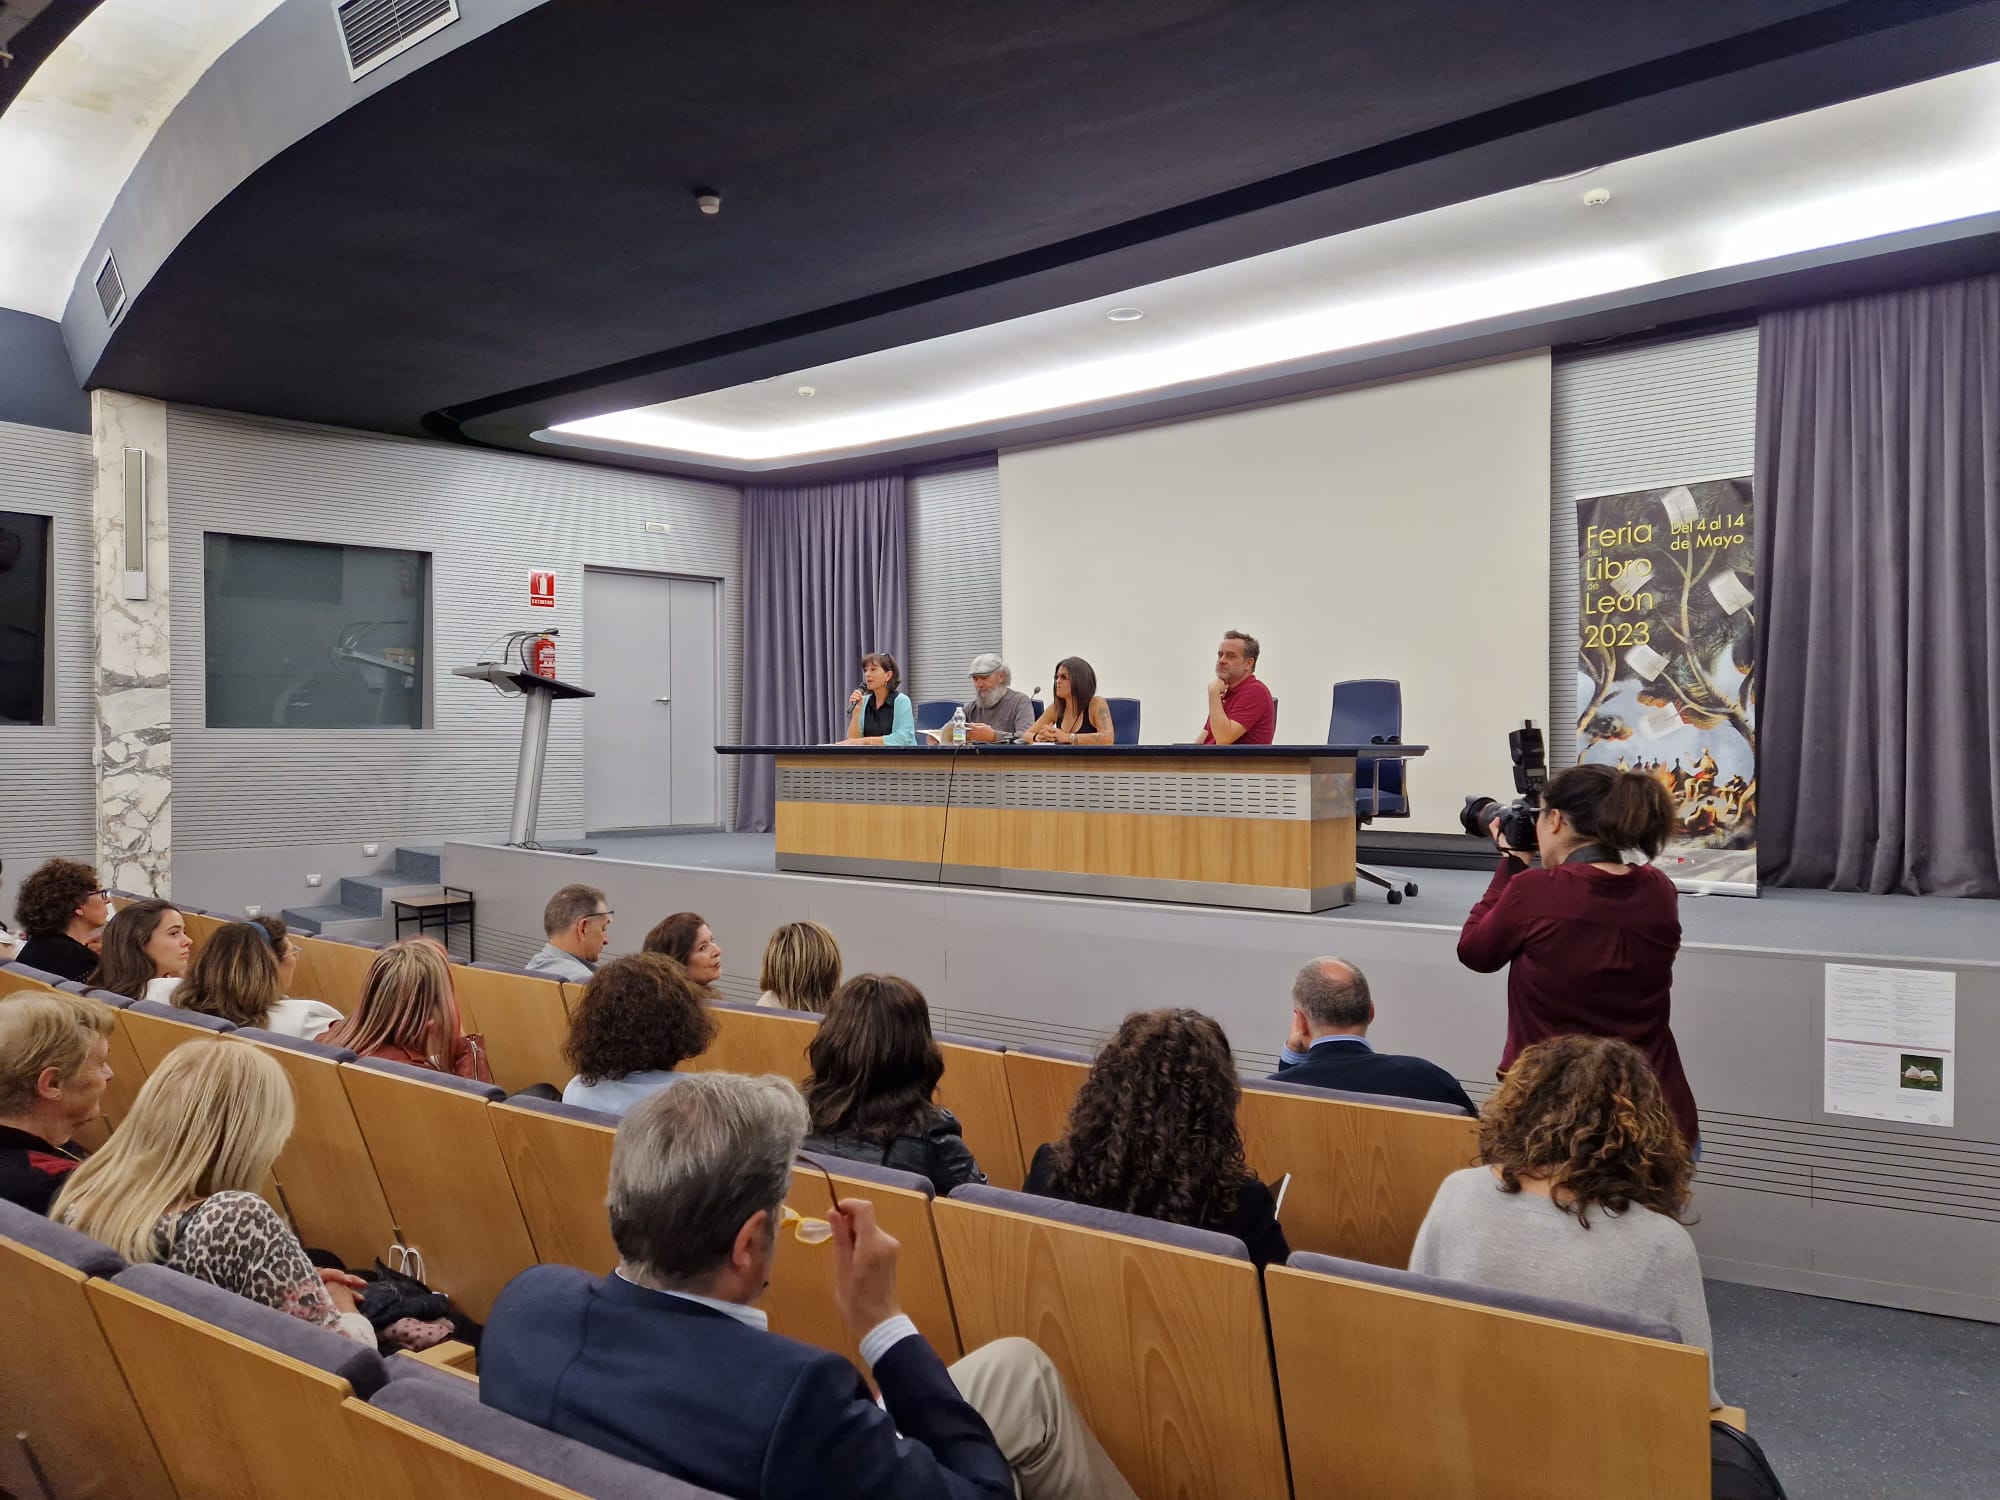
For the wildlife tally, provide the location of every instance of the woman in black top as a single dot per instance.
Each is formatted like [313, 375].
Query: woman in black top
[59, 908]
[875, 1069]
[1075, 715]
[1153, 1132]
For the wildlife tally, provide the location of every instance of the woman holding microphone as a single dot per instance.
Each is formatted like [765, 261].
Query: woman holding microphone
[878, 713]
[1588, 940]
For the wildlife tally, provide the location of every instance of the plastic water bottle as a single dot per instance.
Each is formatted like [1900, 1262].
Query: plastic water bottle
[958, 725]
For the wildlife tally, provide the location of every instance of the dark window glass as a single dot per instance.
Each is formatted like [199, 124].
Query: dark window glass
[24, 618]
[303, 635]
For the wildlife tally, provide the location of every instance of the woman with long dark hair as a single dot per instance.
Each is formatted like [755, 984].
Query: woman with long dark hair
[1075, 715]
[1153, 1132]
[879, 712]
[875, 1072]
[1588, 938]
[1585, 1180]
[146, 951]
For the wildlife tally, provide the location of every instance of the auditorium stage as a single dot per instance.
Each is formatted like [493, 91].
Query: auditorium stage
[1790, 1196]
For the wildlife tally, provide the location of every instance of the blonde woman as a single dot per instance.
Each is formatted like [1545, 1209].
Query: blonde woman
[409, 1014]
[801, 968]
[176, 1185]
[238, 976]
[55, 1060]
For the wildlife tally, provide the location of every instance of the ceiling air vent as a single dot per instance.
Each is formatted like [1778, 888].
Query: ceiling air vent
[110, 289]
[374, 31]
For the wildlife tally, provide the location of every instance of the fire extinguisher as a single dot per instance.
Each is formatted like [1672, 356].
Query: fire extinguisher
[542, 656]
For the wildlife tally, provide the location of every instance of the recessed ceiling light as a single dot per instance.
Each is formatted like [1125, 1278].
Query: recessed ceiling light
[1125, 314]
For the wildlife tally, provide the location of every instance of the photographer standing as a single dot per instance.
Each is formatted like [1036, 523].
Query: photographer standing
[1587, 939]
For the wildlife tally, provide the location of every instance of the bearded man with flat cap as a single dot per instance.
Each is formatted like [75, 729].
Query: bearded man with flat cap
[997, 713]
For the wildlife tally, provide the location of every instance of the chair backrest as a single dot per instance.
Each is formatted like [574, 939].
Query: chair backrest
[63, 1399]
[1365, 709]
[201, 925]
[1364, 1170]
[333, 971]
[754, 1041]
[559, 1159]
[435, 1154]
[1041, 1085]
[242, 1400]
[439, 1440]
[325, 1172]
[1124, 720]
[1431, 1392]
[800, 1297]
[127, 1071]
[523, 1018]
[974, 1088]
[155, 1030]
[1160, 1339]
[935, 713]
[22, 977]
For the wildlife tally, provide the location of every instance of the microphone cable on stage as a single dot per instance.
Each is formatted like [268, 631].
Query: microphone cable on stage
[944, 829]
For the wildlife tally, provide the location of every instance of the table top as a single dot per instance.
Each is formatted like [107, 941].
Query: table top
[1231, 752]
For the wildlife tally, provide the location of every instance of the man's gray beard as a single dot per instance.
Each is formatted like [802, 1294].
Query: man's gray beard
[992, 696]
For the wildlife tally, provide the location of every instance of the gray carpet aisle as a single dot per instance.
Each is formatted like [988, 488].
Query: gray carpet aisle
[1862, 1403]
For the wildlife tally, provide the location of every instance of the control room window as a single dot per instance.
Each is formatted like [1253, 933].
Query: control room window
[24, 618]
[304, 635]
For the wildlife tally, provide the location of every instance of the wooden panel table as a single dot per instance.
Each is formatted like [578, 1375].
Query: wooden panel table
[1262, 826]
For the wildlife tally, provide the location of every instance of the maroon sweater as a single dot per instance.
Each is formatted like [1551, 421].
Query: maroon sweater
[1587, 953]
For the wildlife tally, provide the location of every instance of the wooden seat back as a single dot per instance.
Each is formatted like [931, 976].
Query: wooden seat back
[448, 1191]
[974, 1088]
[325, 1172]
[230, 1417]
[407, 1462]
[1439, 1397]
[523, 1019]
[758, 1041]
[1162, 1348]
[63, 1397]
[332, 973]
[1363, 1176]
[200, 925]
[154, 1036]
[559, 1168]
[1041, 1091]
[12, 981]
[800, 1297]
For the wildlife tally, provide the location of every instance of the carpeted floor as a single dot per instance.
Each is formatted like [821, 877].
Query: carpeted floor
[1854, 1402]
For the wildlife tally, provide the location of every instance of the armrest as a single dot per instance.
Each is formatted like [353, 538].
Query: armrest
[1735, 1416]
[451, 1355]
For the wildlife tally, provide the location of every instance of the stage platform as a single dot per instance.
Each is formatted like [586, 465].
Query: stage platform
[1790, 1196]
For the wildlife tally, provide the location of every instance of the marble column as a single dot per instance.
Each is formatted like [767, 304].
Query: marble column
[134, 658]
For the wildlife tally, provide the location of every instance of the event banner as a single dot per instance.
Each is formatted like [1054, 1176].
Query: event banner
[1666, 663]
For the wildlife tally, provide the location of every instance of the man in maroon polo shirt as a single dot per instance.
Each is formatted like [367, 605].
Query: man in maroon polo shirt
[1240, 708]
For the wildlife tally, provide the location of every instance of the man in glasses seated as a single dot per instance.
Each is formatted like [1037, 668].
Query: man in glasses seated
[669, 1363]
[578, 923]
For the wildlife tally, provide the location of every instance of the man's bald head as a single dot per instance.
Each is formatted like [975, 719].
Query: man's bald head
[1333, 995]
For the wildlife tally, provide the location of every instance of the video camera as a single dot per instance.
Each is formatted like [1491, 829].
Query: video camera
[1516, 819]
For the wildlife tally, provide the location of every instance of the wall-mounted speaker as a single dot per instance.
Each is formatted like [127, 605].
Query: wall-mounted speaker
[134, 540]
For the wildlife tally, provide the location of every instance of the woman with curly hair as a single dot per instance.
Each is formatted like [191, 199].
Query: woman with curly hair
[639, 1019]
[875, 1072]
[1581, 1197]
[59, 907]
[1153, 1132]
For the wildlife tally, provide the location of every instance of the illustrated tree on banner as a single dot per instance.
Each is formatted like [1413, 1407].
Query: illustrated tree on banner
[1666, 660]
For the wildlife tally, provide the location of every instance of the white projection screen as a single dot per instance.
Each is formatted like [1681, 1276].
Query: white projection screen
[1395, 530]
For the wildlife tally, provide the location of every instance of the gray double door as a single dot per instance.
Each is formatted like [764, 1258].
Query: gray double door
[649, 736]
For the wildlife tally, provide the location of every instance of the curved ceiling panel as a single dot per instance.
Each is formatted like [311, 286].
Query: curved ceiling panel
[507, 238]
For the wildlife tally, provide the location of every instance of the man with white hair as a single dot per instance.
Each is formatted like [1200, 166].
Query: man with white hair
[997, 713]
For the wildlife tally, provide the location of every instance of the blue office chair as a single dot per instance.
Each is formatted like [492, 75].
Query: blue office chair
[936, 713]
[1369, 711]
[1124, 720]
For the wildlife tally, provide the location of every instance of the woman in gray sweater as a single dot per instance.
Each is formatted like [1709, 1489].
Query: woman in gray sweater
[1581, 1197]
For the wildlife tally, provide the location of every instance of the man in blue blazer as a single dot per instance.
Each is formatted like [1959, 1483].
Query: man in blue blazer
[1328, 1044]
[668, 1362]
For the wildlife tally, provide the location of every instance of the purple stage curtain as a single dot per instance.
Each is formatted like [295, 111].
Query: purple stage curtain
[824, 580]
[1878, 537]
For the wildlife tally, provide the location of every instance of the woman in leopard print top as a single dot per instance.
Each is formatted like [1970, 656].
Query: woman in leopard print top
[175, 1185]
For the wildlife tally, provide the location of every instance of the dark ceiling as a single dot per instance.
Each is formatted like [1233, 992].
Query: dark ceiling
[508, 237]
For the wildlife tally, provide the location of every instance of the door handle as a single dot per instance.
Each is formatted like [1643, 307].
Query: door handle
[663, 700]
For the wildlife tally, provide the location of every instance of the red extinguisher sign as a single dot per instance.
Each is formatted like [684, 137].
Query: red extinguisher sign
[542, 590]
